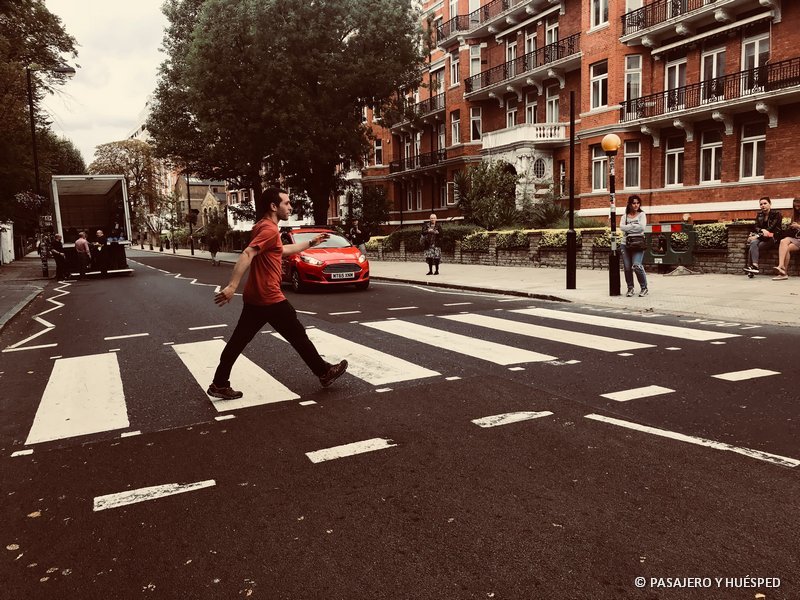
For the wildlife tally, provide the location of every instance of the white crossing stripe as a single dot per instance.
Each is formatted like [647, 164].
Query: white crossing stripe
[371, 445]
[373, 366]
[83, 395]
[258, 386]
[746, 374]
[147, 493]
[498, 354]
[586, 340]
[124, 337]
[684, 333]
[636, 393]
[758, 454]
[207, 327]
[512, 417]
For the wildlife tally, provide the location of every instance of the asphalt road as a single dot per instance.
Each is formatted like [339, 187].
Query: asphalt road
[467, 470]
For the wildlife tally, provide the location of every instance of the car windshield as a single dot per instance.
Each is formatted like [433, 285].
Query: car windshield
[335, 241]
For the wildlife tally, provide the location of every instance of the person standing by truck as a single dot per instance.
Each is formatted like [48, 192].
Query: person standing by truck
[57, 250]
[264, 301]
[101, 257]
[84, 254]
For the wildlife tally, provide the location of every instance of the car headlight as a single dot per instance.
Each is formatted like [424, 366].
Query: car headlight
[362, 259]
[310, 260]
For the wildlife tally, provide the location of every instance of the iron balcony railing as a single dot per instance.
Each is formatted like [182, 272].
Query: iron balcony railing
[476, 18]
[768, 78]
[420, 161]
[657, 12]
[428, 106]
[524, 64]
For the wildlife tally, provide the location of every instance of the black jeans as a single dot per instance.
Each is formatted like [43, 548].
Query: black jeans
[283, 319]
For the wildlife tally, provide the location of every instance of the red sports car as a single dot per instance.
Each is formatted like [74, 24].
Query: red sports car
[333, 262]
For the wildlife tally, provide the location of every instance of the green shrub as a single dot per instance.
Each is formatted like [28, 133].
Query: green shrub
[374, 243]
[410, 235]
[512, 240]
[711, 235]
[476, 242]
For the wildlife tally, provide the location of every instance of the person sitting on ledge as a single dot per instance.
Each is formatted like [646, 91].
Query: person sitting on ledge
[790, 243]
[766, 231]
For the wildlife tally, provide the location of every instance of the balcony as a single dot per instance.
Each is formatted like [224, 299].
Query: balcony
[531, 69]
[421, 110]
[667, 18]
[773, 82]
[418, 162]
[490, 19]
[540, 134]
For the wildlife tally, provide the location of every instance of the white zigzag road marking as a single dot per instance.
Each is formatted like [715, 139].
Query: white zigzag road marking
[194, 281]
[38, 318]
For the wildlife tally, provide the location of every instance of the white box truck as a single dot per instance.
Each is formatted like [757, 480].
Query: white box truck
[92, 203]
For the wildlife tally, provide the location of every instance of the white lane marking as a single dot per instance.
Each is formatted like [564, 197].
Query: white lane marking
[373, 366]
[624, 354]
[162, 270]
[335, 452]
[9, 349]
[746, 374]
[307, 403]
[258, 386]
[305, 312]
[498, 354]
[454, 378]
[758, 454]
[757, 337]
[83, 395]
[147, 493]
[672, 348]
[403, 308]
[636, 393]
[382, 390]
[719, 343]
[124, 337]
[456, 303]
[114, 349]
[167, 343]
[22, 452]
[515, 300]
[224, 417]
[38, 318]
[346, 312]
[512, 417]
[55, 357]
[585, 340]
[685, 333]
[516, 368]
[207, 327]
[127, 434]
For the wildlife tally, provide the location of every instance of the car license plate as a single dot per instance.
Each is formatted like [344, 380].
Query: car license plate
[342, 275]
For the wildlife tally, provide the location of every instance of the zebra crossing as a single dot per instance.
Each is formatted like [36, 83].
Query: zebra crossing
[86, 394]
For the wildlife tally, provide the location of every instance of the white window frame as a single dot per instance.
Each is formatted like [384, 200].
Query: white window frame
[378, 150]
[599, 169]
[711, 156]
[454, 69]
[599, 13]
[531, 105]
[419, 195]
[511, 55]
[674, 161]
[409, 197]
[632, 5]
[475, 130]
[633, 164]
[759, 59]
[455, 127]
[633, 76]
[675, 78]
[757, 143]
[512, 107]
[712, 69]
[474, 60]
[552, 115]
[453, 6]
[437, 81]
[442, 136]
[530, 40]
[598, 73]
[551, 31]
[442, 192]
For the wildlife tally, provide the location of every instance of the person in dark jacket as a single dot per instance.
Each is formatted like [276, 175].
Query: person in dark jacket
[766, 232]
[431, 238]
[359, 236]
[57, 250]
[213, 248]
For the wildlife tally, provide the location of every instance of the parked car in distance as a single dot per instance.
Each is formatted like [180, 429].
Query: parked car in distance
[334, 262]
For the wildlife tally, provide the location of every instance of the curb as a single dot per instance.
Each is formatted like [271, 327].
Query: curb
[19, 307]
[474, 288]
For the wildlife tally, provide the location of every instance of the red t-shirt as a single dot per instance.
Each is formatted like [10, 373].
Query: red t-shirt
[263, 285]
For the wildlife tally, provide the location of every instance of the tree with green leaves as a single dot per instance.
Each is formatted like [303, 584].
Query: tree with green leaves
[370, 205]
[135, 160]
[487, 194]
[31, 37]
[278, 86]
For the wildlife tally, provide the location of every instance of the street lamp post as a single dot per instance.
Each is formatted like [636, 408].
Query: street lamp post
[572, 243]
[189, 213]
[68, 71]
[610, 145]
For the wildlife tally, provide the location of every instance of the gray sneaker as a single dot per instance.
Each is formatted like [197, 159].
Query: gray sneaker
[630, 292]
[643, 292]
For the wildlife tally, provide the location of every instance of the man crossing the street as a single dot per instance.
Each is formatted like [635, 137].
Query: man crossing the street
[264, 301]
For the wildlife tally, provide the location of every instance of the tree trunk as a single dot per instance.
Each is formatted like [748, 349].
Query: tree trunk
[320, 191]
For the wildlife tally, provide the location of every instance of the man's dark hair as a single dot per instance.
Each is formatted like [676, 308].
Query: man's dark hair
[271, 195]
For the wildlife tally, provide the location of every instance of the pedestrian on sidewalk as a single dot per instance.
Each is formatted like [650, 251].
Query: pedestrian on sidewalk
[57, 250]
[213, 248]
[431, 238]
[84, 254]
[789, 243]
[766, 231]
[264, 301]
[633, 224]
[359, 236]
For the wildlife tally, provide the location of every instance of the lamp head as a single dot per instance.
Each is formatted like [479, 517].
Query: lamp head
[611, 143]
[65, 70]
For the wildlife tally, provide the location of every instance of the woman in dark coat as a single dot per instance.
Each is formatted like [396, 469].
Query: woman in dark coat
[432, 238]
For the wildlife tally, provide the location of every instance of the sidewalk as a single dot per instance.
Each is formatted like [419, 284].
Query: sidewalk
[728, 298]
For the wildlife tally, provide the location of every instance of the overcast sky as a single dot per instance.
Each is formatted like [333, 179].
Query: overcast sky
[118, 53]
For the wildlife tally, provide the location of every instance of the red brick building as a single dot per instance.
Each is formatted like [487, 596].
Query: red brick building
[704, 94]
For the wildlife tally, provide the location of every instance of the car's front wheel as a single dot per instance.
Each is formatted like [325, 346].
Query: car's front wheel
[297, 284]
[363, 285]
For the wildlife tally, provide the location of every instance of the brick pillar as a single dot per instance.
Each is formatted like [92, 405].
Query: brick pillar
[737, 246]
[402, 250]
[457, 253]
[586, 253]
[380, 251]
[534, 237]
[493, 248]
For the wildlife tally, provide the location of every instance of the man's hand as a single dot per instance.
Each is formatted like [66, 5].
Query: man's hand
[316, 241]
[225, 295]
